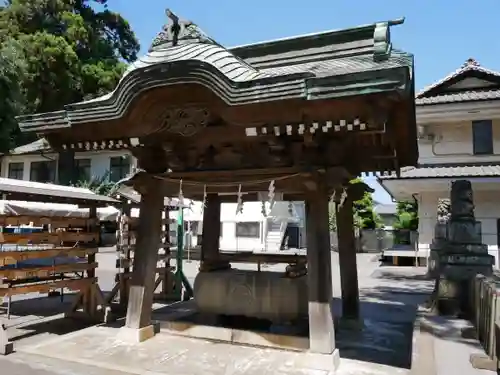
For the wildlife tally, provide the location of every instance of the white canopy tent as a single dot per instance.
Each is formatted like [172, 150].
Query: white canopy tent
[18, 208]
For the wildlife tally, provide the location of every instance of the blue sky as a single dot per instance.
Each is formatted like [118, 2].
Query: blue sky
[441, 34]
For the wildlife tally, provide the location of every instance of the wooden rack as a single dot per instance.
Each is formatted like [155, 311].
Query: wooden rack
[126, 241]
[62, 257]
[52, 253]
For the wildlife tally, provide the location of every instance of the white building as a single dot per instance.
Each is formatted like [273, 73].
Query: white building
[38, 162]
[247, 231]
[458, 121]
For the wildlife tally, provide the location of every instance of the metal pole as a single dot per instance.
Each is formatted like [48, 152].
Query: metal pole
[180, 250]
[189, 239]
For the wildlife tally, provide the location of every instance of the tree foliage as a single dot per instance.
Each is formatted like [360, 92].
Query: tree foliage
[407, 215]
[365, 216]
[71, 50]
[99, 185]
[12, 101]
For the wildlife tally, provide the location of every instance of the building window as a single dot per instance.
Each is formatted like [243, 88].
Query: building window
[82, 169]
[482, 137]
[43, 171]
[16, 170]
[119, 168]
[248, 229]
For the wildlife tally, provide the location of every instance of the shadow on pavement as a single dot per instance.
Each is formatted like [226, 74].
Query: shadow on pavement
[388, 303]
[388, 310]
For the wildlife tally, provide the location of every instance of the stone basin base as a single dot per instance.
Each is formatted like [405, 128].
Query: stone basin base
[292, 338]
[262, 295]
[236, 330]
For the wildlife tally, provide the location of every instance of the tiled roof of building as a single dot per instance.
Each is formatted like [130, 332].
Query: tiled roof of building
[37, 146]
[436, 93]
[465, 96]
[446, 172]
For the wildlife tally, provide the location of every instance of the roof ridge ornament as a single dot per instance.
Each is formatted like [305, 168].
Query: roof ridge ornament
[382, 45]
[470, 62]
[179, 31]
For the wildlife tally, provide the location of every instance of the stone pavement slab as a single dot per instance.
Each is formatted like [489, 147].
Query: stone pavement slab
[29, 364]
[166, 354]
[389, 298]
[451, 350]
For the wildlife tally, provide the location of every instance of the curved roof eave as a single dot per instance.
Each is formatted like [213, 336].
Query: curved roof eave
[181, 53]
[289, 86]
[115, 104]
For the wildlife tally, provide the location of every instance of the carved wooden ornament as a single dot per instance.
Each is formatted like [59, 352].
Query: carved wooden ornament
[185, 121]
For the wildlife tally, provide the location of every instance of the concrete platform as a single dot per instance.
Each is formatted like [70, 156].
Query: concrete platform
[169, 354]
[389, 296]
[182, 319]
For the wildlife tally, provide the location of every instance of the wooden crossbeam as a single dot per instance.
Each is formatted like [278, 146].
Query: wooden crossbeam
[45, 287]
[12, 257]
[43, 271]
[54, 238]
[261, 258]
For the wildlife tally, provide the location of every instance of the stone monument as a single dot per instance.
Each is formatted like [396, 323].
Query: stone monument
[440, 239]
[457, 251]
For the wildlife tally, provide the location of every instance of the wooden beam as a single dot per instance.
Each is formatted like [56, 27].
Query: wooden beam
[227, 182]
[54, 238]
[243, 257]
[45, 287]
[12, 257]
[54, 221]
[44, 271]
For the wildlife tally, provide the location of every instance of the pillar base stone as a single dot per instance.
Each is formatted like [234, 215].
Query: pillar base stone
[320, 361]
[7, 348]
[137, 335]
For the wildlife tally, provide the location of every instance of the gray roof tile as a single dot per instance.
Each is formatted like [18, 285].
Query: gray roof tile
[37, 146]
[465, 96]
[429, 96]
[445, 172]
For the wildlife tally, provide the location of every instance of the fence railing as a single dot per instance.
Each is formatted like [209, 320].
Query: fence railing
[484, 305]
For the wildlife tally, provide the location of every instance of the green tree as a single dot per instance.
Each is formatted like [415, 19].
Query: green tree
[72, 50]
[407, 215]
[99, 185]
[364, 215]
[12, 102]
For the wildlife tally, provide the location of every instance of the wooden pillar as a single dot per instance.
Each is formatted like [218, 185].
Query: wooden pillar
[347, 260]
[166, 278]
[319, 273]
[125, 250]
[90, 306]
[210, 237]
[145, 259]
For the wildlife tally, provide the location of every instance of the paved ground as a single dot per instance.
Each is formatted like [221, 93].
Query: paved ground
[389, 298]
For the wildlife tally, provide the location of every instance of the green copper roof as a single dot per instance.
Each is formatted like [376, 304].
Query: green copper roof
[331, 64]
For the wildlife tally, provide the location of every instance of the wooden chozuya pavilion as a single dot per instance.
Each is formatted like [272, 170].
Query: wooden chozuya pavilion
[294, 119]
